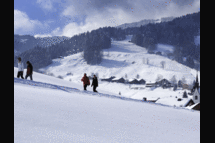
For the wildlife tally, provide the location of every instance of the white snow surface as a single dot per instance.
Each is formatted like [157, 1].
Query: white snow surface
[49, 109]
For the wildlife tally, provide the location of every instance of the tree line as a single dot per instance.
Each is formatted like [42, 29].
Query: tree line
[180, 32]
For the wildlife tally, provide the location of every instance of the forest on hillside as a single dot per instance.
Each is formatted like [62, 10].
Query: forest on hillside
[179, 32]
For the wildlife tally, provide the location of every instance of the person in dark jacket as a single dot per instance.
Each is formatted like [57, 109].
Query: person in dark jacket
[94, 83]
[85, 81]
[29, 70]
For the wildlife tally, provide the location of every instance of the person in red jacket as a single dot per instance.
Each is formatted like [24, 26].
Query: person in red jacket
[85, 81]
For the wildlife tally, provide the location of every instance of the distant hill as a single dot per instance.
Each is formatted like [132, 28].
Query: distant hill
[145, 22]
[26, 42]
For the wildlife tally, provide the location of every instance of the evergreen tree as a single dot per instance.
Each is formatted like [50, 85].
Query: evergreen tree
[185, 94]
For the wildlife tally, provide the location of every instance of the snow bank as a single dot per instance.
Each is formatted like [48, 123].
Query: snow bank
[45, 114]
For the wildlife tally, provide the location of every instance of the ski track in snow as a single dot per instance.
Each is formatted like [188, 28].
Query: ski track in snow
[90, 93]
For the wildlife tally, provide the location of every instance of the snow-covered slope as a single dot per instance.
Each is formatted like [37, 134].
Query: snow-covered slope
[49, 109]
[117, 62]
[39, 77]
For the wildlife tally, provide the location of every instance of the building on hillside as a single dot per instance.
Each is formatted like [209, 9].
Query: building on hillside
[120, 80]
[150, 85]
[163, 83]
[177, 102]
[142, 81]
[196, 85]
[195, 91]
[185, 86]
[133, 81]
[108, 79]
[190, 102]
[196, 95]
[195, 106]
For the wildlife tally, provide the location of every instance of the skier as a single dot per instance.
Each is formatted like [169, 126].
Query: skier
[94, 83]
[20, 68]
[29, 70]
[85, 81]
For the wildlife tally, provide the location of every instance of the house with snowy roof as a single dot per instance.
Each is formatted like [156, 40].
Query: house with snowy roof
[108, 79]
[164, 83]
[133, 81]
[119, 80]
[142, 81]
[177, 102]
[195, 106]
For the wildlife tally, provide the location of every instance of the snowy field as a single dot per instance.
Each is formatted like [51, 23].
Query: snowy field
[53, 110]
[117, 62]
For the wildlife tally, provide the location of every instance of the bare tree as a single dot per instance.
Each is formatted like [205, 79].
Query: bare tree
[126, 76]
[163, 63]
[159, 77]
[173, 80]
[137, 76]
[183, 80]
[97, 75]
[144, 61]
[147, 61]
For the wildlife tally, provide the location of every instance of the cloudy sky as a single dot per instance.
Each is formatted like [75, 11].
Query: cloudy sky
[42, 18]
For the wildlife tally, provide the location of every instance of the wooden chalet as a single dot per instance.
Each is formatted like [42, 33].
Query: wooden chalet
[108, 79]
[196, 106]
[150, 84]
[134, 81]
[163, 83]
[185, 86]
[142, 81]
[120, 80]
[189, 103]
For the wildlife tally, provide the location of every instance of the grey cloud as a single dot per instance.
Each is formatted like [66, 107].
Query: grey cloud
[92, 14]
[139, 7]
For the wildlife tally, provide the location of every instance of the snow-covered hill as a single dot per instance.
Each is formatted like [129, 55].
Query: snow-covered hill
[49, 109]
[118, 62]
[144, 22]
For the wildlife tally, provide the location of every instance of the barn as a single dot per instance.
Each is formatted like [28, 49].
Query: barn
[133, 81]
[108, 79]
[119, 80]
[142, 81]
